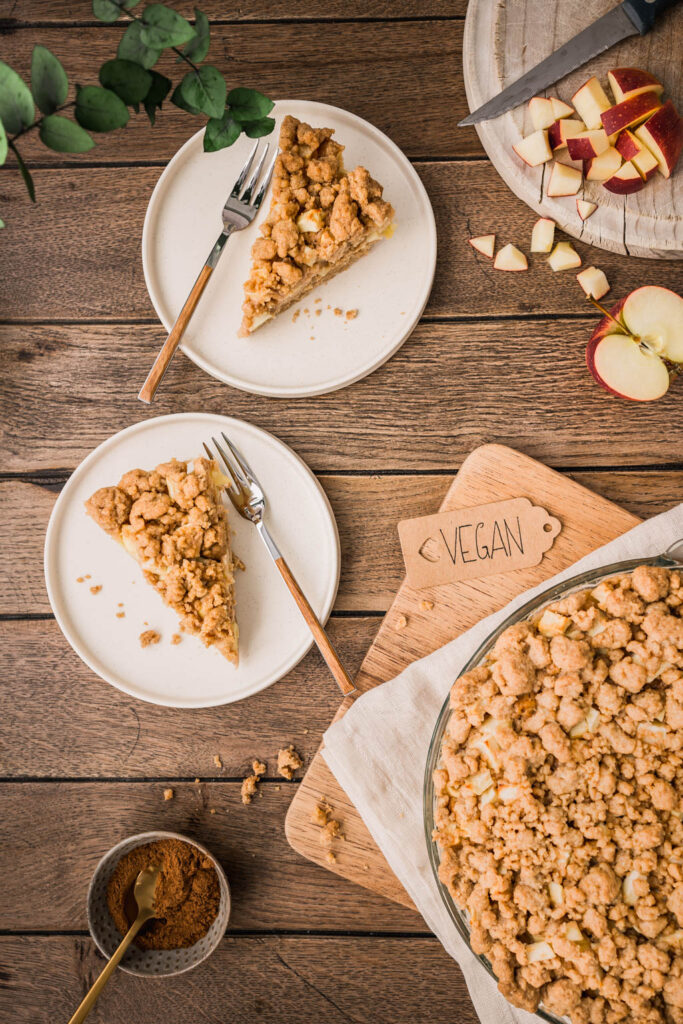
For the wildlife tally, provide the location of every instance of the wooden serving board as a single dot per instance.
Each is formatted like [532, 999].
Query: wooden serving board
[504, 40]
[491, 473]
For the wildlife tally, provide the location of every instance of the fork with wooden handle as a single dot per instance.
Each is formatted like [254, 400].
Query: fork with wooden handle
[246, 494]
[238, 213]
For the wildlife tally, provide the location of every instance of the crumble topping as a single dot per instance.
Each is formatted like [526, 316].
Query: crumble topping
[249, 786]
[172, 521]
[321, 219]
[149, 637]
[559, 812]
[288, 761]
[169, 794]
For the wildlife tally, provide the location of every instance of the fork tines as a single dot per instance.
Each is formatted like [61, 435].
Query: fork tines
[243, 193]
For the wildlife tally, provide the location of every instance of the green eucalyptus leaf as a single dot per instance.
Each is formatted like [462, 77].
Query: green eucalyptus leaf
[100, 110]
[164, 27]
[158, 91]
[249, 105]
[2, 223]
[109, 10]
[257, 129]
[220, 133]
[128, 80]
[205, 90]
[49, 83]
[25, 173]
[3, 144]
[16, 102]
[198, 48]
[179, 100]
[64, 136]
[132, 47]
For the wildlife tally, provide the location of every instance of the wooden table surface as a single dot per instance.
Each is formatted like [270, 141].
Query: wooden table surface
[494, 359]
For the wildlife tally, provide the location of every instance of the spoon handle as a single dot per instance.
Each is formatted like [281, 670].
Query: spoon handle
[92, 996]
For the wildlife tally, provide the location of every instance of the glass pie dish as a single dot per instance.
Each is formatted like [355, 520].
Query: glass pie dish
[671, 559]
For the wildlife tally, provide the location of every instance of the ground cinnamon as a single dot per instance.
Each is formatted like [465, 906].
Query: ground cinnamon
[186, 899]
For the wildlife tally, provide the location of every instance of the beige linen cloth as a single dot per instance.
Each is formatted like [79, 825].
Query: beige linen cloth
[378, 751]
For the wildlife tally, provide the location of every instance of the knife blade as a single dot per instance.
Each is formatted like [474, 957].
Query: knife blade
[628, 19]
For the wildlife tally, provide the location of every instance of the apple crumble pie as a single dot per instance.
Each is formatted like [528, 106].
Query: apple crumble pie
[559, 812]
[321, 220]
[174, 524]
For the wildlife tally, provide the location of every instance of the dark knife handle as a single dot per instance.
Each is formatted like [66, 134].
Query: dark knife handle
[643, 12]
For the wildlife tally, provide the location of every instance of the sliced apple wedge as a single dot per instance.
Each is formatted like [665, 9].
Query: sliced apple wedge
[543, 235]
[561, 130]
[586, 145]
[625, 181]
[485, 244]
[541, 112]
[534, 149]
[593, 282]
[510, 258]
[590, 101]
[585, 209]
[560, 108]
[564, 257]
[627, 82]
[562, 156]
[630, 112]
[628, 145]
[646, 163]
[663, 136]
[602, 167]
[563, 181]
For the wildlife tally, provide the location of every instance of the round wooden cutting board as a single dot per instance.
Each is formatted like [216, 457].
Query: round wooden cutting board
[505, 39]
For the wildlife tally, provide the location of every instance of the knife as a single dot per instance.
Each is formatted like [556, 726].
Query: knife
[628, 19]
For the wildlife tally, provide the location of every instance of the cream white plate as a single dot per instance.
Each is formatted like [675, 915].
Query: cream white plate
[316, 353]
[273, 635]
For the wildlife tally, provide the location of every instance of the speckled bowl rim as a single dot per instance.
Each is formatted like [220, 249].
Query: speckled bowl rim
[151, 837]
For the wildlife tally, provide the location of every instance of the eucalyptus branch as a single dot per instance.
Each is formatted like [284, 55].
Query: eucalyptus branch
[37, 124]
[134, 17]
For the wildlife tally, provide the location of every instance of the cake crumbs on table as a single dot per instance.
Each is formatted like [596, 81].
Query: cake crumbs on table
[197, 781]
[212, 810]
[249, 788]
[426, 606]
[96, 589]
[217, 761]
[176, 639]
[149, 637]
[305, 732]
[288, 761]
[330, 831]
[321, 813]
[330, 857]
[169, 794]
[400, 622]
[258, 767]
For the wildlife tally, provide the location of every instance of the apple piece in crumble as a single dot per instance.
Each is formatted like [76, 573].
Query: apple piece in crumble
[321, 220]
[174, 524]
[559, 810]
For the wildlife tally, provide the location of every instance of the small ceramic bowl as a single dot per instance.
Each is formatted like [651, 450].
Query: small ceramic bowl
[150, 962]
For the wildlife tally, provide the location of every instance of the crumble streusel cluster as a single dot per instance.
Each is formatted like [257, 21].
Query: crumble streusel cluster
[559, 804]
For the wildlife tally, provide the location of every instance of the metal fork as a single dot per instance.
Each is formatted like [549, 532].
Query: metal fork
[238, 213]
[247, 496]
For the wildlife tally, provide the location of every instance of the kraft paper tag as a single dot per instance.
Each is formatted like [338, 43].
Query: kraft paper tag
[467, 543]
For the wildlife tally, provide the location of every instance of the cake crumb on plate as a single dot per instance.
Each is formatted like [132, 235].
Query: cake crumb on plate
[149, 637]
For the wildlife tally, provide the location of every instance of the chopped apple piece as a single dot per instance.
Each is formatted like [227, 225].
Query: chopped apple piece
[485, 244]
[593, 719]
[578, 730]
[552, 623]
[585, 209]
[630, 112]
[564, 257]
[510, 258]
[508, 793]
[541, 111]
[625, 181]
[560, 108]
[593, 282]
[310, 220]
[586, 145]
[632, 892]
[542, 235]
[628, 145]
[562, 156]
[480, 782]
[564, 181]
[537, 951]
[590, 101]
[534, 149]
[485, 750]
[626, 82]
[646, 164]
[573, 932]
[556, 894]
[602, 167]
[663, 136]
[562, 129]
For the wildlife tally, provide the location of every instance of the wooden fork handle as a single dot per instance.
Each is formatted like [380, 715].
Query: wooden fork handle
[149, 388]
[321, 638]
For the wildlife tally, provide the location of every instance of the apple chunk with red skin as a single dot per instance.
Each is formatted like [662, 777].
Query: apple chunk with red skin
[626, 181]
[625, 82]
[631, 363]
[630, 112]
[663, 136]
[586, 145]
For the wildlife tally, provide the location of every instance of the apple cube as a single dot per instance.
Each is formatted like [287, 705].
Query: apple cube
[541, 111]
[543, 235]
[485, 244]
[590, 101]
[630, 112]
[663, 136]
[560, 108]
[564, 257]
[625, 82]
[628, 145]
[510, 258]
[602, 167]
[586, 145]
[625, 181]
[534, 149]
[646, 163]
[562, 156]
[593, 282]
[560, 130]
[564, 181]
[585, 209]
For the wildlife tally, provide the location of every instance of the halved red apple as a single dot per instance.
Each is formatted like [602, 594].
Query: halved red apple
[663, 136]
[625, 181]
[590, 101]
[630, 112]
[586, 145]
[626, 82]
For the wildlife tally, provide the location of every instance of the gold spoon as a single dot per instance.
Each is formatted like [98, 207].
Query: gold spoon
[145, 884]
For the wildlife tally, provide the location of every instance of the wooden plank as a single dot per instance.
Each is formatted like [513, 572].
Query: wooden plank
[417, 93]
[73, 725]
[264, 979]
[451, 387]
[73, 270]
[67, 827]
[367, 510]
